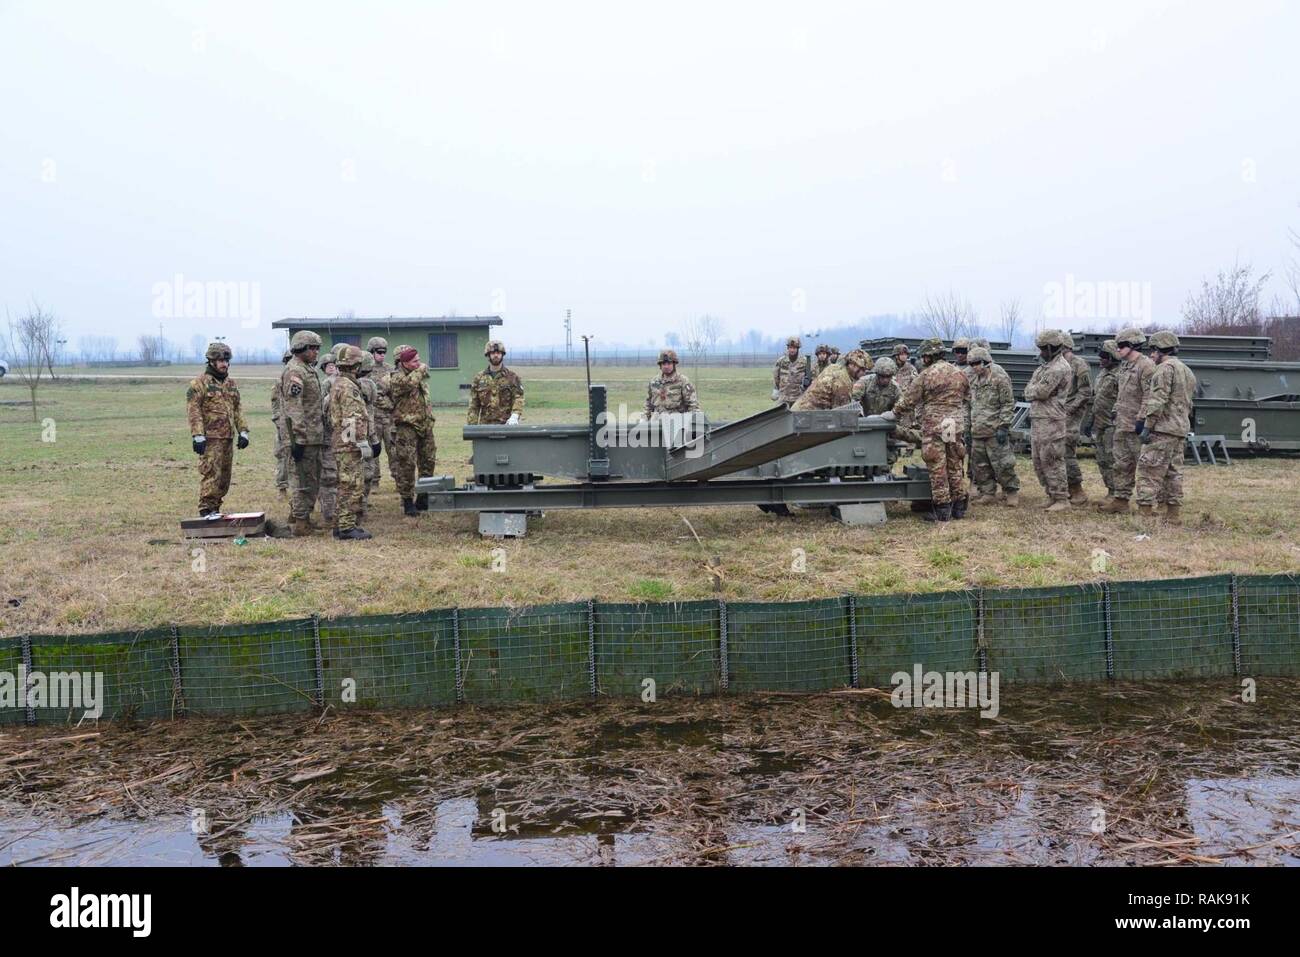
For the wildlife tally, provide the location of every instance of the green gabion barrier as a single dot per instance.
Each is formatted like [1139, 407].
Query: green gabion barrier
[1204, 627]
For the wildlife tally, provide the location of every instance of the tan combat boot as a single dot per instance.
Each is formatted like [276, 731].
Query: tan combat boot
[301, 528]
[982, 498]
[1011, 500]
[1060, 505]
[1118, 506]
[1077, 495]
[1174, 514]
[1145, 511]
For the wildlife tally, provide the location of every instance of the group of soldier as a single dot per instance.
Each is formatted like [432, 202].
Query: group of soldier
[1137, 414]
[335, 414]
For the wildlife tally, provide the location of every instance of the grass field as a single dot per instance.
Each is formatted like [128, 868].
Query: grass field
[89, 539]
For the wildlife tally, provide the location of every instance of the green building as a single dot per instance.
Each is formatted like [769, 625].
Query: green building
[452, 347]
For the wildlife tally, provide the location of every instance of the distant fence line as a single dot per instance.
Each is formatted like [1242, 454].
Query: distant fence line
[638, 357]
[1217, 626]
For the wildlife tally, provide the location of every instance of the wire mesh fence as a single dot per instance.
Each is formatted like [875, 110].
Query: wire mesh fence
[1204, 627]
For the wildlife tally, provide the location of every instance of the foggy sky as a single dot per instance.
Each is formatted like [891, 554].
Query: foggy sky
[784, 167]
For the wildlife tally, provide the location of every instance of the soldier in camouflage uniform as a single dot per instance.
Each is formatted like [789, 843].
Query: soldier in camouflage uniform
[1078, 403]
[992, 404]
[1134, 388]
[961, 354]
[791, 374]
[835, 357]
[281, 437]
[821, 360]
[496, 396]
[408, 385]
[1048, 420]
[329, 468]
[369, 393]
[1100, 426]
[215, 418]
[383, 405]
[834, 387]
[670, 390]
[940, 392]
[906, 371]
[302, 408]
[878, 392]
[1166, 420]
[352, 441]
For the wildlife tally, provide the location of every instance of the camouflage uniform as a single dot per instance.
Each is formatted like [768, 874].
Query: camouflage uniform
[1168, 412]
[791, 376]
[940, 392]
[905, 428]
[992, 404]
[494, 396]
[281, 437]
[369, 393]
[1049, 421]
[821, 361]
[329, 465]
[830, 390]
[382, 404]
[415, 450]
[349, 429]
[213, 409]
[1077, 403]
[1103, 423]
[1134, 387]
[302, 410]
[673, 393]
[874, 397]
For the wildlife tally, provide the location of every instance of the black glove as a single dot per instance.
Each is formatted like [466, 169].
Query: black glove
[1001, 435]
[243, 441]
[200, 445]
[1146, 436]
[297, 451]
[1139, 426]
[374, 449]
[1086, 431]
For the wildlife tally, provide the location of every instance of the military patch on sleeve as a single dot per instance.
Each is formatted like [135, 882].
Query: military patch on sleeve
[295, 386]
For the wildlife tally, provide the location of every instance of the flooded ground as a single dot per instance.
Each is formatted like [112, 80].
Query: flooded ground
[1112, 775]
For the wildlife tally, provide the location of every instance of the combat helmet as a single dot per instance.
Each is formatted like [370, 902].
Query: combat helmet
[1109, 348]
[979, 354]
[960, 343]
[858, 358]
[367, 363]
[1164, 340]
[217, 350]
[349, 357]
[1067, 341]
[494, 345]
[303, 339]
[932, 347]
[667, 355]
[886, 367]
[1133, 336]
[981, 342]
[1049, 338]
[900, 347]
[794, 341]
[823, 347]
[376, 342]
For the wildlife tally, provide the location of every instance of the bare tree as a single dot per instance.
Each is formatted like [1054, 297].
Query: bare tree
[949, 316]
[1227, 306]
[148, 349]
[695, 339]
[711, 328]
[1010, 323]
[28, 344]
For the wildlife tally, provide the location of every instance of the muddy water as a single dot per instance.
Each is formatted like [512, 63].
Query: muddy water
[1109, 775]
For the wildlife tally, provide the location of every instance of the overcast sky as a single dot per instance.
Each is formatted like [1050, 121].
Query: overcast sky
[782, 167]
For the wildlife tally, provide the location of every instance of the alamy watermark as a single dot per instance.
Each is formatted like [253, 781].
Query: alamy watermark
[58, 690]
[190, 299]
[1125, 301]
[669, 430]
[946, 689]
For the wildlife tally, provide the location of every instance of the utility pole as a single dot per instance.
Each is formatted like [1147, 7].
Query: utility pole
[568, 334]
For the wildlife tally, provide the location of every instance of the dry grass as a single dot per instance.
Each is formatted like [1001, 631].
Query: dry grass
[90, 541]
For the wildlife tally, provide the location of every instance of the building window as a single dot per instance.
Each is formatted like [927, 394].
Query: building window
[442, 350]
